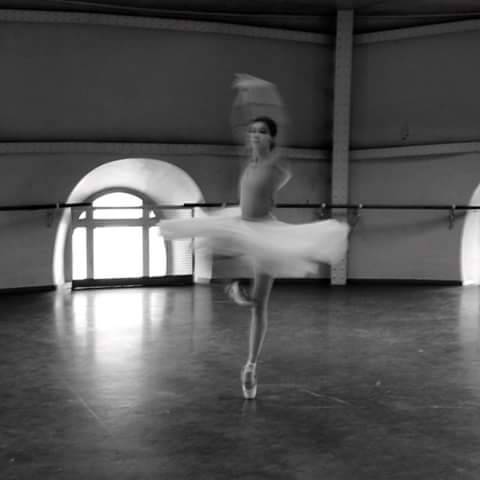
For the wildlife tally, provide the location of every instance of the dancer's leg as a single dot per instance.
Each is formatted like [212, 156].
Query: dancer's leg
[260, 295]
[238, 294]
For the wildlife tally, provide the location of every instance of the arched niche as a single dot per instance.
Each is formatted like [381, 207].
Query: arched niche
[470, 253]
[162, 182]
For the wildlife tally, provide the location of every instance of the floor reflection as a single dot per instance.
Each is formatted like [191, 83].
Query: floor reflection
[106, 339]
[379, 380]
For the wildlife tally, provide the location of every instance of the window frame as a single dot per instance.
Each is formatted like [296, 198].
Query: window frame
[144, 221]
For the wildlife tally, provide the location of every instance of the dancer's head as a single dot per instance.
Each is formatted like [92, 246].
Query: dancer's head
[261, 134]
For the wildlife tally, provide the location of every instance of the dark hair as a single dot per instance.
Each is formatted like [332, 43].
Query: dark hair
[271, 125]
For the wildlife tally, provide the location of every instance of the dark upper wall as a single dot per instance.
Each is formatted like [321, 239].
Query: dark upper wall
[81, 82]
[416, 91]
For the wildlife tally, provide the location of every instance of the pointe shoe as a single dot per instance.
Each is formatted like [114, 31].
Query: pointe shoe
[249, 382]
[238, 294]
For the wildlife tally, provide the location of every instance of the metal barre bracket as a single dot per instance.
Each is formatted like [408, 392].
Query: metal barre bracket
[451, 217]
[353, 215]
[322, 212]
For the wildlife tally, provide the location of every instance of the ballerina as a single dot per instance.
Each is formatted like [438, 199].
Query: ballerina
[272, 248]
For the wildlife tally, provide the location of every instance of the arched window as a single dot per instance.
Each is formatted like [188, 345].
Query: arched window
[116, 239]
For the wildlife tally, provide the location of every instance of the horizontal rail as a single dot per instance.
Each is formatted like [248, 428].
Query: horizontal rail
[145, 206]
[349, 206]
[328, 206]
[45, 206]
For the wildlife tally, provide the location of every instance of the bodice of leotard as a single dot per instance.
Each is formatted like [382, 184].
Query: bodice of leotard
[258, 186]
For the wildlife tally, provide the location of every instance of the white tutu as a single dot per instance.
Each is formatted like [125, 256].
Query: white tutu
[272, 246]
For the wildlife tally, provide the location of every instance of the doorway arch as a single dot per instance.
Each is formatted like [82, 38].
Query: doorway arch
[160, 181]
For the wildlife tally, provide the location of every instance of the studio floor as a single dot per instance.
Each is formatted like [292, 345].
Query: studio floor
[356, 382]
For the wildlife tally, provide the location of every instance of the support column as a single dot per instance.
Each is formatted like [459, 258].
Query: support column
[341, 125]
[146, 240]
[90, 252]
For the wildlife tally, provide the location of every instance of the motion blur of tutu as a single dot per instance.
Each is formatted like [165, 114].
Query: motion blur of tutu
[271, 246]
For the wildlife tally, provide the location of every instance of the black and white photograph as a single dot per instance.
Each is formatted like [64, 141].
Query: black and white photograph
[240, 240]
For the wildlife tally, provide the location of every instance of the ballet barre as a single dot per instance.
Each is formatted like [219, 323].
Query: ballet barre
[329, 206]
[353, 209]
[45, 206]
[49, 207]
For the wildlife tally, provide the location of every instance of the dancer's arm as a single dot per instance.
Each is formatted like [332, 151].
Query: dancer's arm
[284, 173]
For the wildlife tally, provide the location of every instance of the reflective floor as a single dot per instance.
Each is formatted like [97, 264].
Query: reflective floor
[355, 383]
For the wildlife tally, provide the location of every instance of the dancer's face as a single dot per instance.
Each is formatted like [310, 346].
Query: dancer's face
[259, 137]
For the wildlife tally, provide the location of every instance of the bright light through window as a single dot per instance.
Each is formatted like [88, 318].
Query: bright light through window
[79, 246]
[118, 252]
[117, 199]
[158, 256]
[118, 248]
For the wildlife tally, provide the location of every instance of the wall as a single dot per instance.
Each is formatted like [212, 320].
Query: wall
[154, 87]
[94, 83]
[416, 91]
[410, 245]
[28, 239]
[99, 83]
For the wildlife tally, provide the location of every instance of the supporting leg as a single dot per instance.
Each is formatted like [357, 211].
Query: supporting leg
[260, 295]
